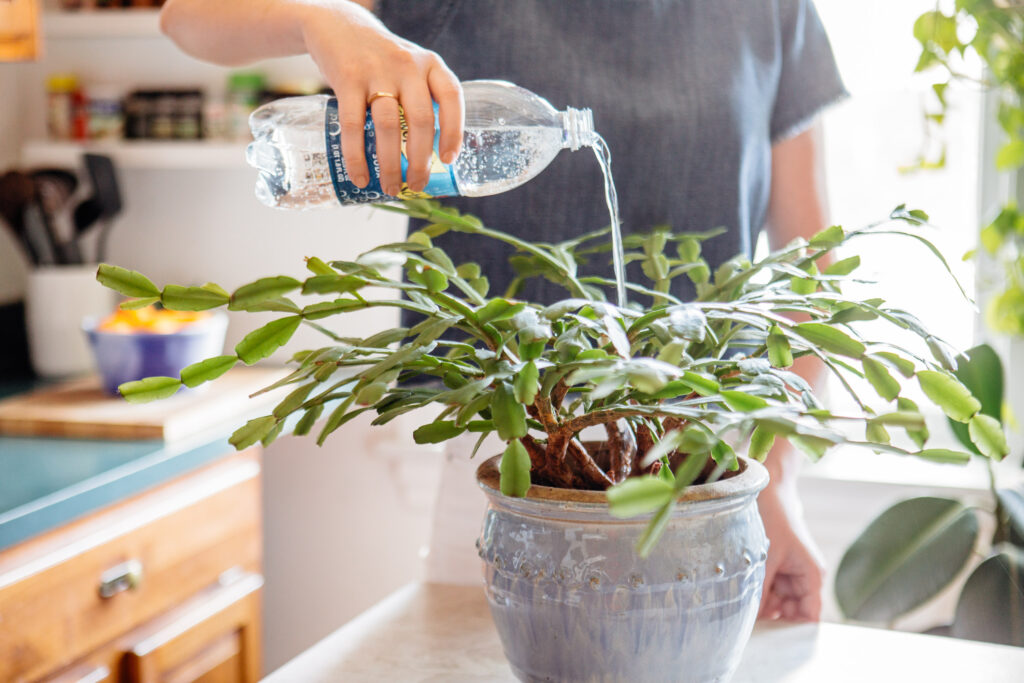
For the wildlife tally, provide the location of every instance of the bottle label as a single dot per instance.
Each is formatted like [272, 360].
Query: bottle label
[440, 184]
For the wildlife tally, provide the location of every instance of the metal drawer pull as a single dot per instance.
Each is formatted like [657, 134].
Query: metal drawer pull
[123, 577]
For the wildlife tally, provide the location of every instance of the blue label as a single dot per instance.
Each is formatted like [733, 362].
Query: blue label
[440, 184]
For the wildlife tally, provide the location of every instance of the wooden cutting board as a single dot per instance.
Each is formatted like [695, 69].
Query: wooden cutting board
[80, 409]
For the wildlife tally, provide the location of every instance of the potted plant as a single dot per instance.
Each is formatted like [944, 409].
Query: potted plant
[579, 587]
[919, 547]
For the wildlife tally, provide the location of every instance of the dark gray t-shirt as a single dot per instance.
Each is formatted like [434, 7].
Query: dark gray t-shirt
[689, 94]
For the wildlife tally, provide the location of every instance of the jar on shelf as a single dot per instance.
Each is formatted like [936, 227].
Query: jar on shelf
[62, 94]
[188, 115]
[106, 113]
[243, 96]
[162, 115]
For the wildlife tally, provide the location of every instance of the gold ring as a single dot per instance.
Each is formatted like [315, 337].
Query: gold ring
[379, 94]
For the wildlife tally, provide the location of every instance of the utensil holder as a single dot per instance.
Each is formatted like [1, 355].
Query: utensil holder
[57, 298]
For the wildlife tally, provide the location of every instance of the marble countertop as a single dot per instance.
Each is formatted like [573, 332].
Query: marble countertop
[433, 633]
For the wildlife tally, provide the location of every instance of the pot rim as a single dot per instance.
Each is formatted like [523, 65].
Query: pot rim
[751, 478]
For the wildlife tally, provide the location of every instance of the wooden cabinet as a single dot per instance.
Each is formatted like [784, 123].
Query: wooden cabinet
[162, 587]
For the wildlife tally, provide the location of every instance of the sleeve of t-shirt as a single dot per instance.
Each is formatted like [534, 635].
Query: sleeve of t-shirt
[419, 22]
[809, 79]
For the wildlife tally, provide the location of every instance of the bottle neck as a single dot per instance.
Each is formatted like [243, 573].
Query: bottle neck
[577, 128]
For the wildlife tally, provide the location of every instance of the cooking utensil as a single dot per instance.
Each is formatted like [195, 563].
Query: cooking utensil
[53, 195]
[16, 192]
[107, 192]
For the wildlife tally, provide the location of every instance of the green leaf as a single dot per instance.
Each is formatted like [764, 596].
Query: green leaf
[654, 530]
[527, 383]
[741, 402]
[904, 366]
[308, 420]
[664, 447]
[262, 342]
[761, 442]
[371, 393]
[907, 419]
[179, 298]
[498, 309]
[701, 384]
[843, 267]
[149, 389]
[252, 432]
[875, 432]
[1010, 155]
[780, 355]
[876, 373]
[905, 556]
[981, 371]
[989, 608]
[987, 434]
[830, 237]
[945, 456]
[515, 470]
[918, 436]
[293, 401]
[128, 282]
[508, 414]
[318, 267]
[955, 400]
[639, 496]
[136, 304]
[206, 370]
[830, 339]
[434, 280]
[437, 432]
[262, 289]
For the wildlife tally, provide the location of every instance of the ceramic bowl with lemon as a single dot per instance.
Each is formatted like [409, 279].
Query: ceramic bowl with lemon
[130, 345]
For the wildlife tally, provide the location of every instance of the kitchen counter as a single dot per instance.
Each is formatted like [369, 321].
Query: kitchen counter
[46, 482]
[435, 632]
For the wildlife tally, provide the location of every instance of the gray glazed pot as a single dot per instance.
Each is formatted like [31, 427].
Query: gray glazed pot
[573, 602]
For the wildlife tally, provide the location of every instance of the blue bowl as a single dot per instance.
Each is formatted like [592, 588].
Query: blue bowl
[126, 357]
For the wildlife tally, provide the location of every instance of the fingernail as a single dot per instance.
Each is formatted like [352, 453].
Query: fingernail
[448, 157]
[360, 180]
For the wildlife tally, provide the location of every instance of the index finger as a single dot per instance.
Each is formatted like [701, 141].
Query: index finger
[447, 92]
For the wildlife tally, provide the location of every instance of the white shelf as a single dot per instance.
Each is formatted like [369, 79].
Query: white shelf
[142, 154]
[111, 23]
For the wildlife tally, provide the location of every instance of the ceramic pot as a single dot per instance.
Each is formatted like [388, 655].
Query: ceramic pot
[57, 298]
[573, 602]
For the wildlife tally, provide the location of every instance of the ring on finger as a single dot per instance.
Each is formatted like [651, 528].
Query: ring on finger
[377, 95]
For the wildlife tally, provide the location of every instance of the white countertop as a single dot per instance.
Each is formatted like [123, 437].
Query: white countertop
[439, 633]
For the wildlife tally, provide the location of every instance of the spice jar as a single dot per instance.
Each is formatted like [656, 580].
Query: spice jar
[244, 88]
[61, 98]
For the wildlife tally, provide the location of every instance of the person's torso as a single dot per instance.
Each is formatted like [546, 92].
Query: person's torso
[681, 90]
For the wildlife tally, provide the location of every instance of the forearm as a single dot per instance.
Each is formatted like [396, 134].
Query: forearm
[232, 33]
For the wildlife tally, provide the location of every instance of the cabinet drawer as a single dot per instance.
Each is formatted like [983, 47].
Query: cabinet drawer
[63, 595]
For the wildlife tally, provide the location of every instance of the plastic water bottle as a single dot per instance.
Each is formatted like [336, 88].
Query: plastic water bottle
[510, 136]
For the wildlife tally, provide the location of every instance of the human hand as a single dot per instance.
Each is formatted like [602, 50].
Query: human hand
[359, 56]
[794, 568]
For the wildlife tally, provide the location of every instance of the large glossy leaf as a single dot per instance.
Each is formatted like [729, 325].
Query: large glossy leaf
[1012, 501]
[904, 557]
[991, 606]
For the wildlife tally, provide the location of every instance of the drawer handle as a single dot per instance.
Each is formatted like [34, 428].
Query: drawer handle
[123, 577]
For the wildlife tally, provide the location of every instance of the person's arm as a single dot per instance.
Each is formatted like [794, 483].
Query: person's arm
[794, 570]
[356, 54]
